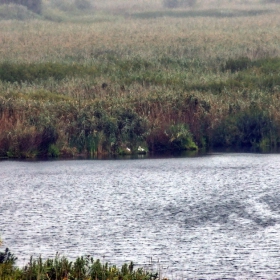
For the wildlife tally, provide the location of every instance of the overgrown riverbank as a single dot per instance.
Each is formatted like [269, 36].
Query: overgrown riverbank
[134, 83]
[60, 268]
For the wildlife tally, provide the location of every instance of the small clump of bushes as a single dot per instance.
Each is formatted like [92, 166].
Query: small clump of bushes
[253, 127]
[173, 138]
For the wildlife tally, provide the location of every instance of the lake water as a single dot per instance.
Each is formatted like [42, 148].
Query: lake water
[209, 217]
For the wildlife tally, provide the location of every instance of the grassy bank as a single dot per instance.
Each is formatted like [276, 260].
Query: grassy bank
[136, 77]
[60, 268]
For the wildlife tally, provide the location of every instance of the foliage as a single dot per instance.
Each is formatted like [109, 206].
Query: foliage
[33, 5]
[235, 65]
[173, 138]
[251, 128]
[7, 262]
[83, 268]
[23, 72]
[7, 257]
[15, 12]
[104, 88]
[180, 138]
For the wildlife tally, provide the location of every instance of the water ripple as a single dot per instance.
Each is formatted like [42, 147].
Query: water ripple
[207, 217]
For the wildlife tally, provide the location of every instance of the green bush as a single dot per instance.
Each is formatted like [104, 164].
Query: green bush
[250, 128]
[95, 129]
[53, 151]
[238, 64]
[180, 138]
[23, 72]
[7, 257]
[174, 138]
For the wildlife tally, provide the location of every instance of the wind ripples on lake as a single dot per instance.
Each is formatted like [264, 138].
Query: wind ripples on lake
[202, 217]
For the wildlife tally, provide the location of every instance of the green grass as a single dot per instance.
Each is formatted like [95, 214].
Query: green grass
[60, 268]
[23, 72]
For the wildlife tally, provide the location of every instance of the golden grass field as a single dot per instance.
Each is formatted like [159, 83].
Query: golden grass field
[119, 30]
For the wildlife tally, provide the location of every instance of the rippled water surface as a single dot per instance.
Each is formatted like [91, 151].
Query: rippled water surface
[202, 217]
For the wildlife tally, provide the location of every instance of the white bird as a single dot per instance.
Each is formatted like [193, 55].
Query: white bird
[140, 149]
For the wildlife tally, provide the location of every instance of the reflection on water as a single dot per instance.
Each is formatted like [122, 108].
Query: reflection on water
[201, 217]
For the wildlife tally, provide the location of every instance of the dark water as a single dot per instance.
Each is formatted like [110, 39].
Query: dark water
[202, 217]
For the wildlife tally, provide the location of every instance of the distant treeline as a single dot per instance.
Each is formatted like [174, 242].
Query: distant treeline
[33, 5]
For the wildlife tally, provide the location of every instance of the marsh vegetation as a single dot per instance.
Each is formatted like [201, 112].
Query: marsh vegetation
[105, 77]
[60, 268]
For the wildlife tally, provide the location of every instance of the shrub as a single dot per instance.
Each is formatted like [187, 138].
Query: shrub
[48, 138]
[178, 3]
[20, 141]
[24, 72]
[249, 128]
[174, 138]
[238, 64]
[53, 151]
[33, 5]
[7, 262]
[180, 138]
[7, 257]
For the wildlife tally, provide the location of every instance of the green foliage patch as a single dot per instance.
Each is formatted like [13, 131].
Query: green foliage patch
[83, 268]
[250, 128]
[22, 72]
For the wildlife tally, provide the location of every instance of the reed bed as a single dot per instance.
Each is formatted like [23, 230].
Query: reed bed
[60, 268]
[134, 74]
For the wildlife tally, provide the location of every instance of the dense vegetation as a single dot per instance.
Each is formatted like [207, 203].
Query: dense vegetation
[123, 77]
[60, 268]
[33, 5]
